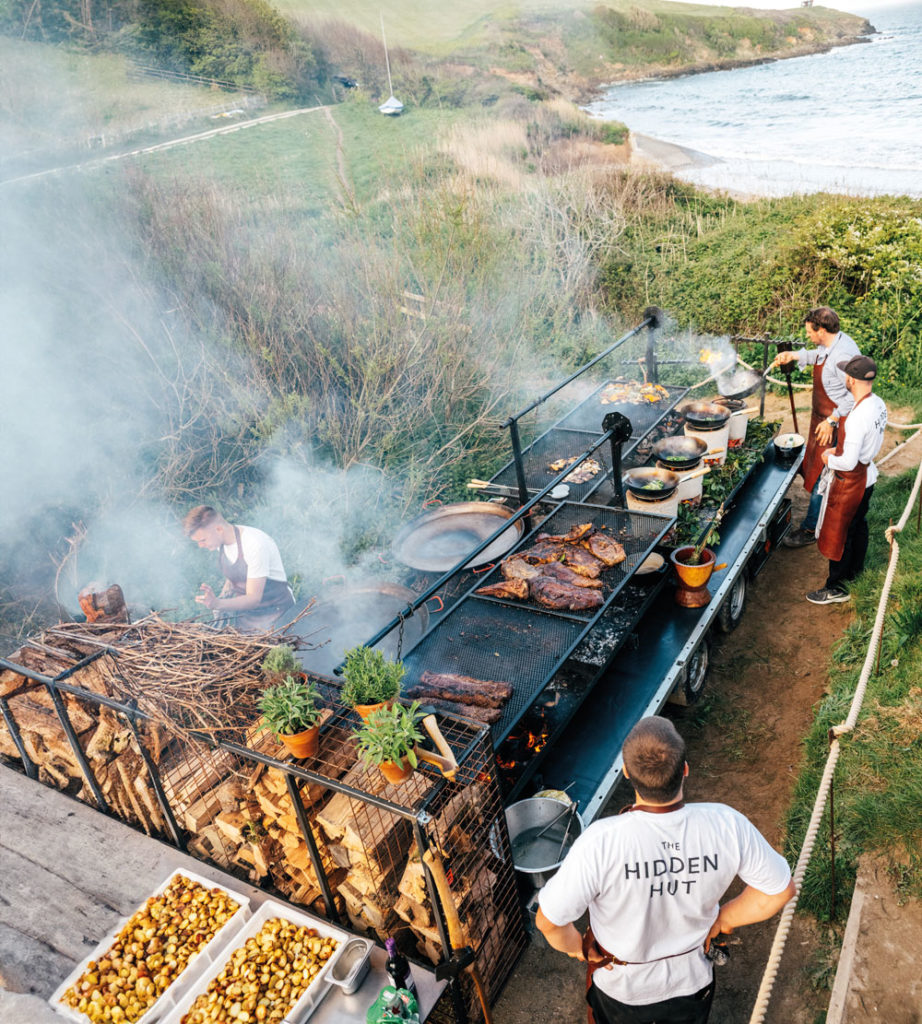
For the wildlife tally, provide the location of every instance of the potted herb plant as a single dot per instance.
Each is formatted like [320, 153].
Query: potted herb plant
[371, 681]
[290, 711]
[694, 565]
[388, 738]
[279, 663]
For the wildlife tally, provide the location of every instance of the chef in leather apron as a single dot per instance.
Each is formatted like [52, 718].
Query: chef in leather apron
[831, 399]
[842, 532]
[254, 596]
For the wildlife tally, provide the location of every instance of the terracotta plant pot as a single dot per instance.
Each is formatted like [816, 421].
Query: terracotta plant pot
[396, 772]
[692, 591]
[364, 710]
[302, 744]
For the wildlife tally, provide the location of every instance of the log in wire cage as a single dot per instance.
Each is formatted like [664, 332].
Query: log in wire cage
[326, 833]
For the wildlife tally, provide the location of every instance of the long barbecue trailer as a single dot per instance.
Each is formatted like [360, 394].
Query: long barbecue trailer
[529, 620]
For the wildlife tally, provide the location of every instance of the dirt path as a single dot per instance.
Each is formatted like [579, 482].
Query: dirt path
[745, 749]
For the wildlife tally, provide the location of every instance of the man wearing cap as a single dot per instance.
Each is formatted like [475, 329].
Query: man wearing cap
[842, 527]
[652, 881]
[831, 401]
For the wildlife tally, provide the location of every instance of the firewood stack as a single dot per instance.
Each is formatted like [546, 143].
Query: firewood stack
[105, 737]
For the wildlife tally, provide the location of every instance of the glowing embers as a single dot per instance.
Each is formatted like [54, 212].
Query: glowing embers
[525, 742]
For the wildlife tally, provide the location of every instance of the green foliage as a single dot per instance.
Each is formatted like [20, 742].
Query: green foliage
[280, 661]
[878, 785]
[369, 678]
[290, 707]
[390, 734]
[755, 268]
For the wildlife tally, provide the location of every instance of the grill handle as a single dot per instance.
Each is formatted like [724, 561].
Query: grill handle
[621, 429]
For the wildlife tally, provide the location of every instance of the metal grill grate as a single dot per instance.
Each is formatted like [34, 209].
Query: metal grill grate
[588, 414]
[524, 644]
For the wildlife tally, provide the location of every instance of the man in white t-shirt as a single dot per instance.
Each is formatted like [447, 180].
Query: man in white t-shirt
[842, 527]
[652, 881]
[256, 590]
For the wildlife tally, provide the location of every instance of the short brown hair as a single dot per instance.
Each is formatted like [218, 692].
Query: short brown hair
[654, 756]
[196, 518]
[823, 317]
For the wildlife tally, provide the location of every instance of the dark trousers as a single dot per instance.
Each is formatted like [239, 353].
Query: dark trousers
[693, 1009]
[856, 547]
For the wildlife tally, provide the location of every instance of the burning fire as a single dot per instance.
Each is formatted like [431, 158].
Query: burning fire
[708, 356]
[520, 746]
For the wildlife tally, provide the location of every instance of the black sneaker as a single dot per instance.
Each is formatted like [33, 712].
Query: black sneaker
[828, 596]
[799, 538]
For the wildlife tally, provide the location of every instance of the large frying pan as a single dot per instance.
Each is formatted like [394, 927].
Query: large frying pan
[440, 538]
[349, 614]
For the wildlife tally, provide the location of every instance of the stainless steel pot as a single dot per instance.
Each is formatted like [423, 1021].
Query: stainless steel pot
[441, 537]
[540, 857]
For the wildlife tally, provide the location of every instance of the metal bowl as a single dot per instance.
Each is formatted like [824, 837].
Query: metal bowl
[540, 858]
[439, 539]
[788, 447]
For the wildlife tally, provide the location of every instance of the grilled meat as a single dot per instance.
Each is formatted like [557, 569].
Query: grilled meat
[564, 574]
[515, 589]
[578, 559]
[487, 693]
[516, 568]
[604, 548]
[574, 534]
[563, 596]
[486, 715]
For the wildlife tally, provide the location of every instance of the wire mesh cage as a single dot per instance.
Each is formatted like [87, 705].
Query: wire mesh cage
[101, 715]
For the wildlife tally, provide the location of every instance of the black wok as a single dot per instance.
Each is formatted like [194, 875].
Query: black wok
[680, 452]
[705, 415]
[741, 383]
[650, 484]
[440, 538]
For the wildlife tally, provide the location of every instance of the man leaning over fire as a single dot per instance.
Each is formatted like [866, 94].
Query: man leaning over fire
[831, 402]
[256, 590]
[651, 881]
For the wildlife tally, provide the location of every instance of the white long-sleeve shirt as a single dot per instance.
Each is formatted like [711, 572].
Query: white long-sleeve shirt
[842, 347]
[864, 435]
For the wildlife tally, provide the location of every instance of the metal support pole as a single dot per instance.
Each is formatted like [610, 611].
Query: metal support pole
[75, 746]
[165, 809]
[454, 985]
[517, 459]
[312, 850]
[655, 318]
[27, 762]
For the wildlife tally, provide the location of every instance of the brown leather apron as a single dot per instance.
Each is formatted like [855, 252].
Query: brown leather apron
[846, 489]
[601, 956]
[823, 408]
[276, 594]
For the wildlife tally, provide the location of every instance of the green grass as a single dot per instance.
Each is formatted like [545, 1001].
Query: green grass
[54, 97]
[878, 784]
[294, 161]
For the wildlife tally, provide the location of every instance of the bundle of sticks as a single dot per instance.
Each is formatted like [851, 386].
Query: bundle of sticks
[186, 675]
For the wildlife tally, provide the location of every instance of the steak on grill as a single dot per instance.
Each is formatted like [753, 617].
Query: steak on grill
[563, 596]
[604, 548]
[516, 568]
[514, 589]
[486, 693]
[489, 716]
[564, 574]
[578, 559]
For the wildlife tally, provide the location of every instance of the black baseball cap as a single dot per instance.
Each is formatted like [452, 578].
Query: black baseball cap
[859, 367]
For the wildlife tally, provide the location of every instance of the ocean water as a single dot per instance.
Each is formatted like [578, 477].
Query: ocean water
[847, 121]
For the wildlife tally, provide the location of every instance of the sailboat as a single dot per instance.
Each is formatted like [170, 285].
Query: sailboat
[392, 107]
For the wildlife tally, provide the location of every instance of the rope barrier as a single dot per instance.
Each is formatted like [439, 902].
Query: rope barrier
[806, 851]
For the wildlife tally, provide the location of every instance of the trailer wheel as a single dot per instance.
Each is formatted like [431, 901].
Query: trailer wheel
[731, 611]
[689, 690]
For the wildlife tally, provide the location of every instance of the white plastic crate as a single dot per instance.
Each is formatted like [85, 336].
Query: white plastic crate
[198, 963]
[317, 989]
